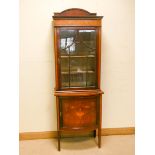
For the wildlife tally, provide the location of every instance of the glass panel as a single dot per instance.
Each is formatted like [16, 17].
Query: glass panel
[78, 58]
[65, 80]
[64, 64]
[77, 72]
[88, 40]
[91, 72]
[77, 65]
[91, 80]
[91, 64]
[67, 42]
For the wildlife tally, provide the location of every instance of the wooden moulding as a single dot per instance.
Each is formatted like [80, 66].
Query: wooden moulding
[78, 93]
[79, 22]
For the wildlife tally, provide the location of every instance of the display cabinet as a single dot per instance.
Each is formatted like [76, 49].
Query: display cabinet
[77, 41]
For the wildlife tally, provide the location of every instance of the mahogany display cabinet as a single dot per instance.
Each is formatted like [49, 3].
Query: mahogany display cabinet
[77, 44]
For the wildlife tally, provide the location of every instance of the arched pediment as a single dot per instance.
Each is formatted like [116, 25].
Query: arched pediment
[76, 14]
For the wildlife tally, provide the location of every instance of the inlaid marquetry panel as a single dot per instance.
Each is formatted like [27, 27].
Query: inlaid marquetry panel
[78, 112]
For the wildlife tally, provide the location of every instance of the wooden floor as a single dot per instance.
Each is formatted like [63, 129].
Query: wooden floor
[111, 145]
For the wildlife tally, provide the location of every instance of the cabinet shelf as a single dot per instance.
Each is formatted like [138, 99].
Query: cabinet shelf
[78, 72]
[78, 56]
[80, 85]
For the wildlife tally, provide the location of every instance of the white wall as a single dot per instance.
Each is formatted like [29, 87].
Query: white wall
[37, 79]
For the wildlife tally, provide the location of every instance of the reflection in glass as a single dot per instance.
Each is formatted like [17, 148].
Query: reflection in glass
[67, 44]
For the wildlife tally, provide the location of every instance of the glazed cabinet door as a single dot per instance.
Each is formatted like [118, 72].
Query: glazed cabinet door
[77, 49]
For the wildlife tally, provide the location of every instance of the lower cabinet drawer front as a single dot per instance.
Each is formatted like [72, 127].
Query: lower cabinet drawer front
[78, 112]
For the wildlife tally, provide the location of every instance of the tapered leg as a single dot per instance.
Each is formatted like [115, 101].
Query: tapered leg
[94, 133]
[100, 120]
[58, 122]
[99, 137]
[59, 136]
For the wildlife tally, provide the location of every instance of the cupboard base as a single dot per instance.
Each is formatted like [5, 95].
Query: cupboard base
[79, 114]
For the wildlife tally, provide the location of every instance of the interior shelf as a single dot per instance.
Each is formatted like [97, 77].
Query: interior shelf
[78, 56]
[66, 85]
[77, 72]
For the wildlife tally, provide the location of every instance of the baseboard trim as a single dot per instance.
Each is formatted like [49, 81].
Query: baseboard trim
[118, 131]
[53, 134]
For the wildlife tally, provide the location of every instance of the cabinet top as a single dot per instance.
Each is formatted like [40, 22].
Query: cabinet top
[75, 13]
